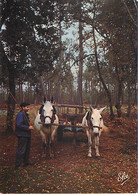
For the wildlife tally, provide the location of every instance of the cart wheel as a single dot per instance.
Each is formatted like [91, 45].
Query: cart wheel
[59, 133]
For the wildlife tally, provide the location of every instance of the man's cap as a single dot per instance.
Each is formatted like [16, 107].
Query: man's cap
[24, 104]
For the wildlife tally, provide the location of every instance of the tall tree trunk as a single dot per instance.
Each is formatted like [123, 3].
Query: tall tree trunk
[86, 86]
[119, 94]
[129, 99]
[59, 97]
[11, 99]
[80, 100]
[20, 92]
[60, 64]
[49, 88]
[29, 93]
[101, 78]
[42, 86]
[91, 92]
[118, 104]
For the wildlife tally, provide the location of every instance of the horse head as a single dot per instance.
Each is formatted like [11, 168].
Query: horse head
[47, 112]
[95, 120]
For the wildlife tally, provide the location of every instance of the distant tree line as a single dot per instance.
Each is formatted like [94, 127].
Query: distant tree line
[37, 61]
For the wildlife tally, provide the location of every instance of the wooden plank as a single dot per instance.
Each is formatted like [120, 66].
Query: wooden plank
[70, 106]
[54, 124]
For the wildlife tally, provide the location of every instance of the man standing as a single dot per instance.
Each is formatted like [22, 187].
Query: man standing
[23, 132]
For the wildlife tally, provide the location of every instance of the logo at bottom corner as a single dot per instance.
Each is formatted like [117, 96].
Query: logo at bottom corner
[122, 177]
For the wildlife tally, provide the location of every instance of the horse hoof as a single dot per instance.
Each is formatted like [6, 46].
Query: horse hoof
[89, 155]
[98, 155]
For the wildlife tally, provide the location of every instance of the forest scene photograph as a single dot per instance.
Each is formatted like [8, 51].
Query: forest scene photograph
[68, 96]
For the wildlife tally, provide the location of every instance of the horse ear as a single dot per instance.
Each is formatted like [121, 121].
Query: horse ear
[54, 110]
[91, 108]
[52, 99]
[87, 116]
[40, 110]
[102, 109]
[44, 99]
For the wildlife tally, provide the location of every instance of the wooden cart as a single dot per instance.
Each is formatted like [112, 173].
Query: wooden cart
[70, 119]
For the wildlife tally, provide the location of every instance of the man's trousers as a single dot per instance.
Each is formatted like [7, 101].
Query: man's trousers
[23, 151]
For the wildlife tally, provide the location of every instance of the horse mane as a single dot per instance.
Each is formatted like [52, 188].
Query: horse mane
[88, 118]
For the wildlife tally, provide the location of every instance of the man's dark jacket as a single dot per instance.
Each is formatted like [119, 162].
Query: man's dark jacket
[22, 125]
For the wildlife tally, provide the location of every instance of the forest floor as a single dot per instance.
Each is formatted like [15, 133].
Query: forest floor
[72, 171]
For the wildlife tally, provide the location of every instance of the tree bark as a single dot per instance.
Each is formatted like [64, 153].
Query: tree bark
[119, 95]
[20, 92]
[11, 99]
[118, 104]
[42, 86]
[80, 100]
[101, 78]
[60, 62]
[129, 100]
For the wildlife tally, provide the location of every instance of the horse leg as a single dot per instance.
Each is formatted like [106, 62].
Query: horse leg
[48, 148]
[52, 144]
[89, 144]
[43, 147]
[47, 151]
[43, 143]
[97, 145]
[52, 150]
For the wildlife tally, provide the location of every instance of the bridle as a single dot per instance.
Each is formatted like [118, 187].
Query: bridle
[48, 117]
[94, 126]
[42, 117]
[90, 122]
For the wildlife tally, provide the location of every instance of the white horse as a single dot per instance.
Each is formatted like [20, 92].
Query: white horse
[94, 121]
[43, 122]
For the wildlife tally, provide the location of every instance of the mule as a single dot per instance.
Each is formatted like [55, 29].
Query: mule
[93, 119]
[46, 116]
